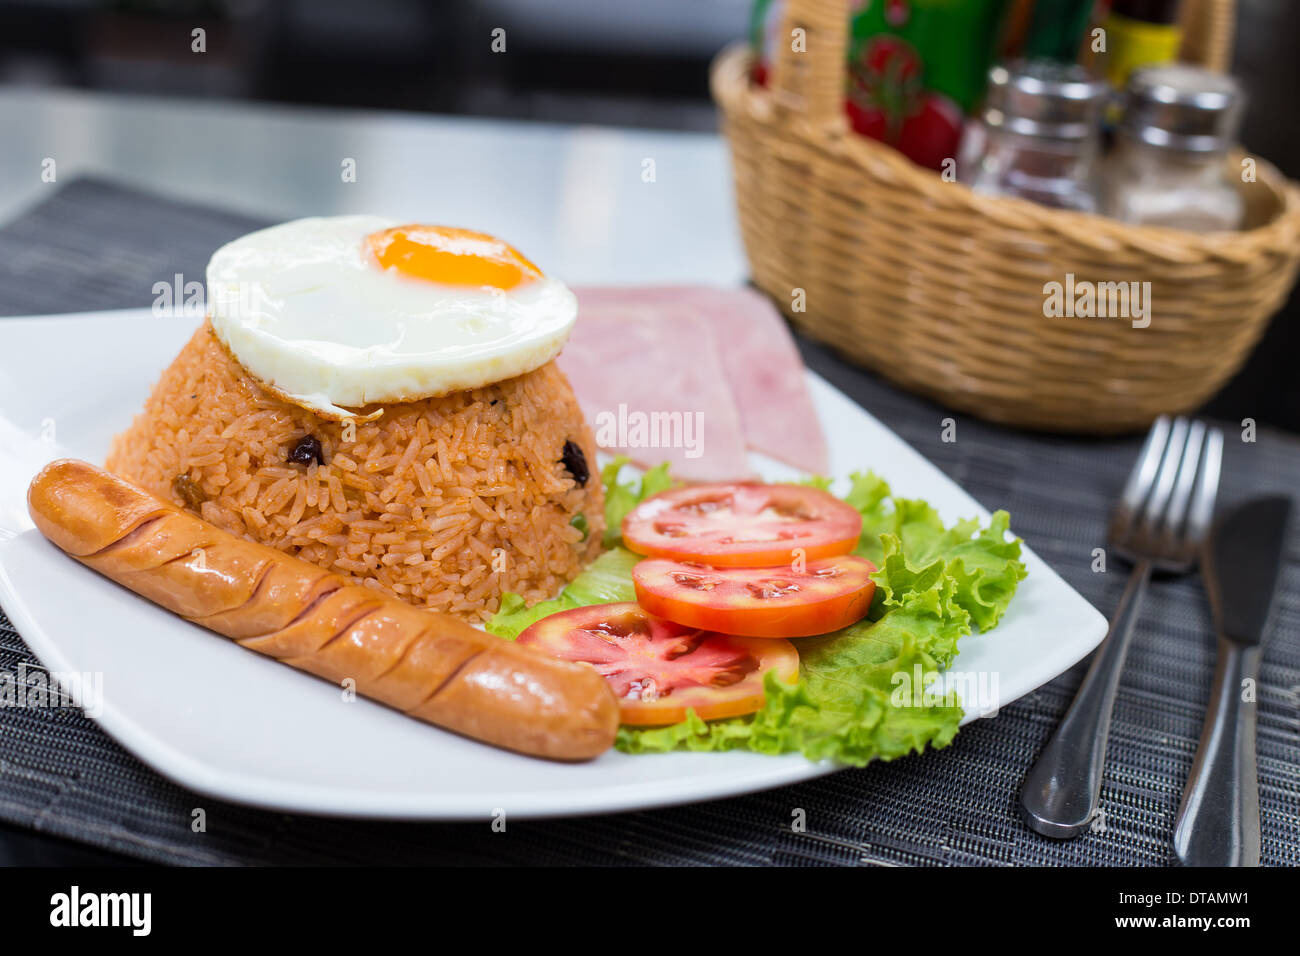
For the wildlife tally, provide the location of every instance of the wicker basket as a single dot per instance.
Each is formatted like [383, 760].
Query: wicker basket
[942, 290]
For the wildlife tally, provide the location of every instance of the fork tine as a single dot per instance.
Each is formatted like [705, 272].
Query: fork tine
[1176, 513]
[1143, 476]
[1169, 465]
[1207, 488]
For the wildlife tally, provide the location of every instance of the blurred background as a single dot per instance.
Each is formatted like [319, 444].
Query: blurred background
[641, 64]
[622, 62]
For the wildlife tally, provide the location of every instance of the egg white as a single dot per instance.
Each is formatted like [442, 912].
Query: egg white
[305, 310]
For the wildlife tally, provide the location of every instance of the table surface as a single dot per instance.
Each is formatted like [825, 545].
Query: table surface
[579, 200]
[593, 204]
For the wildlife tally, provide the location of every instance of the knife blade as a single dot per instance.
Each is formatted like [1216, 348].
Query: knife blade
[1218, 818]
[1241, 563]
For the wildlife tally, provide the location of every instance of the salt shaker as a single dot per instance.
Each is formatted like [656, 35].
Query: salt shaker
[1037, 136]
[1169, 164]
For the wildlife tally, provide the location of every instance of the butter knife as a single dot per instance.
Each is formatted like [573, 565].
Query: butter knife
[1218, 819]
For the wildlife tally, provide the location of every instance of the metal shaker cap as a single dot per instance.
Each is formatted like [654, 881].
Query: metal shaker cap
[1044, 98]
[1183, 107]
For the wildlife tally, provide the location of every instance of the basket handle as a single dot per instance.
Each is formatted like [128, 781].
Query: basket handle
[812, 81]
[1208, 27]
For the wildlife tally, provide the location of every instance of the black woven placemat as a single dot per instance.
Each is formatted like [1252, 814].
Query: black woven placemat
[94, 245]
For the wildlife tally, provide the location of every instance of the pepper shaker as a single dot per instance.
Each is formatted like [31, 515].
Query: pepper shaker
[1169, 164]
[1038, 135]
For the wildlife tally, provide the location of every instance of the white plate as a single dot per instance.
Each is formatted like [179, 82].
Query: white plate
[227, 722]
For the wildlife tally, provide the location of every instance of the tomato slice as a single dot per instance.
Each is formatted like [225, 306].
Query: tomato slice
[659, 669]
[824, 596]
[742, 525]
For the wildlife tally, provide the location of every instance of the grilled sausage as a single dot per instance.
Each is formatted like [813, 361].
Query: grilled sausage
[428, 665]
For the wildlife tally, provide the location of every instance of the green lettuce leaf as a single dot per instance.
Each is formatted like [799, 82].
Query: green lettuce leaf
[863, 692]
[860, 696]
[622, 497]
[869, 493]
[987, 570]
[607, 580]
[984, 564]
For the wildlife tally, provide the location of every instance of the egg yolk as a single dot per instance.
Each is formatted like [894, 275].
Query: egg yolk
[451, 256]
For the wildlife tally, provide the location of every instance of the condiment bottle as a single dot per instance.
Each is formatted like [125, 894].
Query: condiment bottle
[1140, 33]
[916, 68]
[1168, 167]
[1037, 136]
[1056, 29]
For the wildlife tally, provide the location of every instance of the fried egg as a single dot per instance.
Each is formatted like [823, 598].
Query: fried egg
[338, 313]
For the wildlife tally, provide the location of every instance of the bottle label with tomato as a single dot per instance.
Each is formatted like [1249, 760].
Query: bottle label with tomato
[916, 68]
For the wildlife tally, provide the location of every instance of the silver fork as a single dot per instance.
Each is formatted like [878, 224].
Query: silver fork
[1157, 525]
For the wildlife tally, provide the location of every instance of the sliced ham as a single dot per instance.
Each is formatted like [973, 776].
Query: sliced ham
[757, 354]
[652, 386]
